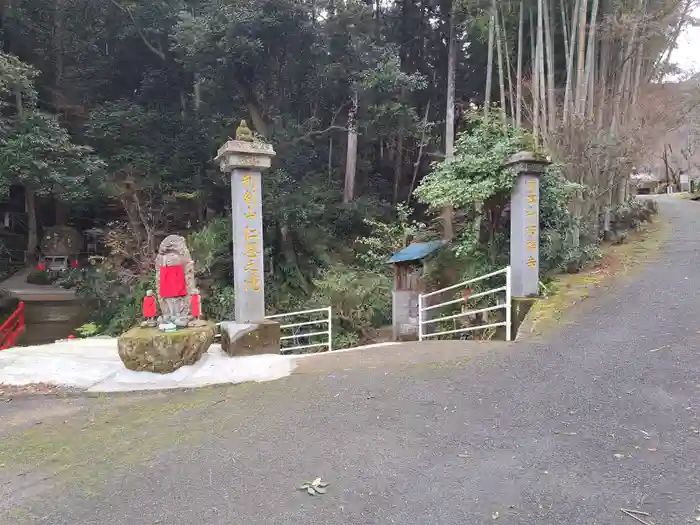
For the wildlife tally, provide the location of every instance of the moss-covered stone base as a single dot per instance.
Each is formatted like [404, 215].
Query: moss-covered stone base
[146, 349]
[262, 337]
[520, 307]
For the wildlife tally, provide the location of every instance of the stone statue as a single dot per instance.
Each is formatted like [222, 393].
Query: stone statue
[243, 132]
[61, 241]
[149, 309]
[175, 278]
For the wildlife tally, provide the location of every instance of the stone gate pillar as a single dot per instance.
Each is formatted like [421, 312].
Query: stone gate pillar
[245, 158]
[525, 224]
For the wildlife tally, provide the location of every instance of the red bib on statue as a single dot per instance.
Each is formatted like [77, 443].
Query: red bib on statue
[172, 281]
[149, 306]
[194, 303]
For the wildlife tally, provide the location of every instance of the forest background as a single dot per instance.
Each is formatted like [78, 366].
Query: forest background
[391, 121]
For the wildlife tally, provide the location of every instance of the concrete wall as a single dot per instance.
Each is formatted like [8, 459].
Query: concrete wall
[405, 314]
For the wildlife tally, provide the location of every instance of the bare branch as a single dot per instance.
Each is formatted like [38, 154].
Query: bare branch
[150, 46]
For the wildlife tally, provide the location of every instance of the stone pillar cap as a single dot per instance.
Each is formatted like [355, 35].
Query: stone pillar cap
[527, 162]
[526, 156]
[244, 154]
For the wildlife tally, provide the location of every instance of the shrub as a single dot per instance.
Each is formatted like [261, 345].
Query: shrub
[70, 278]
[119, 296]
[219, 302]
[361, 301]
[479, 186]
[40, 277]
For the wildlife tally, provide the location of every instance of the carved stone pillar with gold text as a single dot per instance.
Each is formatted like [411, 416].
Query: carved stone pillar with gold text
[525, 231]
[250, 333]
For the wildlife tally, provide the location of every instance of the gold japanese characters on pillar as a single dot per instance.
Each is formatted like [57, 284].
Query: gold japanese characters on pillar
[531, 226]
[252, 246]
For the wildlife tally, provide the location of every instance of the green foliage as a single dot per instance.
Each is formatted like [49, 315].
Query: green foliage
[211, 249]
[476, 176]
[386, 238]
[70, 278]
[16, 75]
[118, 295]
[361, 300]
[477, 182]
[156, 87]
[39, 153]
[559, 230]
[88, 330]
[156, 148]
[632, 213]
[218, 302]
[35, 150]
[40, 277]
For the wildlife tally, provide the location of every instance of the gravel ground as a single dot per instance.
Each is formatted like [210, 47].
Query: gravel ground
[602, 415]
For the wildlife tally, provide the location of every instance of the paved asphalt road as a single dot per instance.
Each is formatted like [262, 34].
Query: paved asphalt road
[601, 416]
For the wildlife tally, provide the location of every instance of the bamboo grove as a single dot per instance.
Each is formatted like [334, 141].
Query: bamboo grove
[586, 77]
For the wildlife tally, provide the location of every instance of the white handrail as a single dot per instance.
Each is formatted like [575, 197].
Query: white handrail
[461, 300]
[509, 305]
[506, 305]
[276, 316]
[470, 281]
[327, 320]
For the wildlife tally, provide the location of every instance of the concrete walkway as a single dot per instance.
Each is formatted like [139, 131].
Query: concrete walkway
[602, 416]
[94, 365]
[18, 286]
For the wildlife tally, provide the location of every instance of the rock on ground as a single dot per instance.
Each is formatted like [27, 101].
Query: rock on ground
[150, 350]
[250, 339]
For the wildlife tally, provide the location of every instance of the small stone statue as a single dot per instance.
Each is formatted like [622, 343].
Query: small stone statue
[175, 276]
[243, 132]
[196, 304]
[149, 309]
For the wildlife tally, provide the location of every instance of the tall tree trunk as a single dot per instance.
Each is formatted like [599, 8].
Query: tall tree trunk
[32, 229]
[351, 158]
[640, 56]
[568, 89]
[552, 108]
[254, 109]
[604, 75]
[535, 79]
[447, 226]
[589, 73]
[519, 74]
[541, 84]
[58, 16]
[511, 93]
[580, 73]
[416, 165]
[564, 27]
[398, 167]
[199, 173]
[489, 61]
[29, 198]
[499, 53]
[673, 41]
[62, 212]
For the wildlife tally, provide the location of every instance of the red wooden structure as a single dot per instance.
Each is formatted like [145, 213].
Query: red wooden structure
[12, 328]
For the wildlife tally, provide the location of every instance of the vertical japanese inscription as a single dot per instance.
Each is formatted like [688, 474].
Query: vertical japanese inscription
[531, 227]
[252, 245]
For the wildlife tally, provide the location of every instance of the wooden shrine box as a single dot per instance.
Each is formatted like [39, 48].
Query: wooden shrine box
[409, 268]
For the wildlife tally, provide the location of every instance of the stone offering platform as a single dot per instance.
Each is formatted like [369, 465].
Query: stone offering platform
[94, 365]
